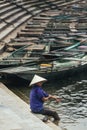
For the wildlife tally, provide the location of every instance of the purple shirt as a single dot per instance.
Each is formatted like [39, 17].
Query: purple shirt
[36, 95]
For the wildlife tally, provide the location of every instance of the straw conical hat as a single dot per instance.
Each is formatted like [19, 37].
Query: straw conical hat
[37, 79]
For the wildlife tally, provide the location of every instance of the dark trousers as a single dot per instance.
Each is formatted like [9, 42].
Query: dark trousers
[49, 112]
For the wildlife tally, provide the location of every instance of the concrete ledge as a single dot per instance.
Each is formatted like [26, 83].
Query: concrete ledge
[15, 113]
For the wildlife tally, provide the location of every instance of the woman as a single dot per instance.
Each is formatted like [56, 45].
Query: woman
[38, 96]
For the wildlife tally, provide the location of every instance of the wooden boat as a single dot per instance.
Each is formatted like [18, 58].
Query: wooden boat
[55, 70]
[67, 51]
[63, 63]
[26, 73]
[33, 54]
[24, 55]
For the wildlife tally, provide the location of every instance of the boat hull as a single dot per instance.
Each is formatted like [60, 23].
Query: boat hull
[52, 76]
[55, 75]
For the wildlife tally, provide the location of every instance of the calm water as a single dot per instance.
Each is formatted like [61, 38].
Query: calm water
[73, 107]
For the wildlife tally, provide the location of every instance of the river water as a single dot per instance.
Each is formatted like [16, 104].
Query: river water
[73, 107]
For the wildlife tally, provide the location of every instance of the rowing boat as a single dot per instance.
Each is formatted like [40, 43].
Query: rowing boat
[53, 71]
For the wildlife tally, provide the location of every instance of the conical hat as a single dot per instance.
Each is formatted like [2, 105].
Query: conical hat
[37, 79]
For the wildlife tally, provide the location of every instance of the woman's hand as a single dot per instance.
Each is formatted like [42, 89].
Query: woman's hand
[51, 97]
[54, 97]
